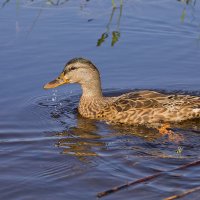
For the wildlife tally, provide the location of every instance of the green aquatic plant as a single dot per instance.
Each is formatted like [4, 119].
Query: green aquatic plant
[102, 38]
[115, 37]
[183, 15]
[115, 33]
[106, 34]
[186, 3]
[114, 5]
[189, 11]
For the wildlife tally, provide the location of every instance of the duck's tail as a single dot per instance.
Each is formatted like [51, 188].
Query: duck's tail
[196, 109]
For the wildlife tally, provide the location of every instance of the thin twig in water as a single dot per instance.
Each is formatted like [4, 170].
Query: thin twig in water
[147, 178]
[183, 193]
[117, 188]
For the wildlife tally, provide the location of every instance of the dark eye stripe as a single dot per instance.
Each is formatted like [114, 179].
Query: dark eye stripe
[72, 68]
[69, 69]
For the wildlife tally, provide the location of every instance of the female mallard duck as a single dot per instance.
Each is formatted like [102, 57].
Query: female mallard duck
[135, 108]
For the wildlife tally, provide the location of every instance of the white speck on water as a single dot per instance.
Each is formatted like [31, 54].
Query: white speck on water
[54, 98]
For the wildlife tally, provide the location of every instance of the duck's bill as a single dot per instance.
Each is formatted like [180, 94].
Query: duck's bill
[57, 82]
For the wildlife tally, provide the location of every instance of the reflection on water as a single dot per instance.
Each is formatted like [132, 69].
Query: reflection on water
[50, 152]
[112, 28]
[89, 137]
[114, 5]
[188, 10]
[32, 2]
[80, 140]
[41, 5]
[191, 2]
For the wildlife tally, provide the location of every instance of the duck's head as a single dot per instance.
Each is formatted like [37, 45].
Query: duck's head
[77, 70]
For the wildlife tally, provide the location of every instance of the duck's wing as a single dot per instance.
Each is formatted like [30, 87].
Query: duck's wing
[152, 99]
[136, 100]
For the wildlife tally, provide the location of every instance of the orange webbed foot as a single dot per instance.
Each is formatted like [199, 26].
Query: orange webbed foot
[172, 136]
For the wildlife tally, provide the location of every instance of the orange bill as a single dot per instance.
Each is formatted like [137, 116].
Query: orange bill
[57, 82]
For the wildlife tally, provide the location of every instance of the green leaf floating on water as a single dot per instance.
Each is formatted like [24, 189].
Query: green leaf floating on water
[115, 37]
[102, 39]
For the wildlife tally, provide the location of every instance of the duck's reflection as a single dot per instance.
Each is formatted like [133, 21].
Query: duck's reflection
[87, 138]
[80, 140]
[90, 138]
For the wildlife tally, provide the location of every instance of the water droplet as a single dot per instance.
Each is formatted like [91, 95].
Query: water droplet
[54, 98]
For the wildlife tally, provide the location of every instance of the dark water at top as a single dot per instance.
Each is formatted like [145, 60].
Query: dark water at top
[47, 150]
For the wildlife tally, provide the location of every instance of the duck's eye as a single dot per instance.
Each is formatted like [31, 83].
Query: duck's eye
[72, 68]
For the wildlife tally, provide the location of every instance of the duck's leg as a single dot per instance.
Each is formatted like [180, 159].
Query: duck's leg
[165, 130]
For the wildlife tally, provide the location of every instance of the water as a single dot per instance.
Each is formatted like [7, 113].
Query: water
[47, 150]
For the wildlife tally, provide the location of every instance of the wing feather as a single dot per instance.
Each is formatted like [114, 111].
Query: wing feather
[152, 99]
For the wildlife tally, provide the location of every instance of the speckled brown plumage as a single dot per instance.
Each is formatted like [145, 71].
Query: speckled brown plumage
[143, 107]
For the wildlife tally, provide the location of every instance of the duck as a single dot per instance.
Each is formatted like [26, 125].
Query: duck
[144, 107]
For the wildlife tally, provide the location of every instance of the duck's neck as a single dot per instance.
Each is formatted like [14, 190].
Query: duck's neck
[92, 90]
[91, 100]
